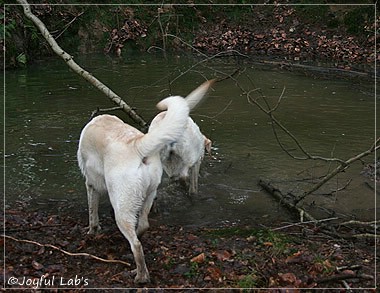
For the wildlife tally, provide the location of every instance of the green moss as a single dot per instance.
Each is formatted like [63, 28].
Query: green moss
[279, 242]
[356, 20]
[193, 271]
[312, 13]
[249, 281]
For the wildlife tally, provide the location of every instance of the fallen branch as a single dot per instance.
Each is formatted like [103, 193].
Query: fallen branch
[67, 252]
[351, 267]
[79, 70]
[354, 222]
[97, 111]
[344, 276]
[275, 121]
[282, 199]
[340, 168]
[326, 229]
[303, 223]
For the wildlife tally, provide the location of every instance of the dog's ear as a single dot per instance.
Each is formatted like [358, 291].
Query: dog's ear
[198, 94]
[208, 144]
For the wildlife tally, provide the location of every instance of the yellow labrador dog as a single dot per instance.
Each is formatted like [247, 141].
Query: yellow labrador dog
[117, 159]
[182, 158]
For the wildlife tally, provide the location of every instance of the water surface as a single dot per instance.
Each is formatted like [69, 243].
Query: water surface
[47, 105]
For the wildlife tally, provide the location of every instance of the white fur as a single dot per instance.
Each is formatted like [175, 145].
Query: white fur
[182, 159]
[118, 159]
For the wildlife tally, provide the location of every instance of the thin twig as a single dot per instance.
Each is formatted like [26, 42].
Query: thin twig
[220, 54]
[278, 101]
[216, 115]
[354, 222]
[66, 252]
[229, 76]
[67, 25]
[303, 223]
[340, 168]
[97, 111]
[274, 120]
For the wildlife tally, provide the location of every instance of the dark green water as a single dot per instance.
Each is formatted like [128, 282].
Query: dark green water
[46, 106]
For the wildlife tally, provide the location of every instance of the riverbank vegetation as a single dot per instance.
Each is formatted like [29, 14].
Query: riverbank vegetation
[298, 32]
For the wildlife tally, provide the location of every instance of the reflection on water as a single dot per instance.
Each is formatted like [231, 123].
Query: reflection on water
[47, 105]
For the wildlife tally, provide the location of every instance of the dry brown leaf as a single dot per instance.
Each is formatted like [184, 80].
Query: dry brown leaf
[200, 258]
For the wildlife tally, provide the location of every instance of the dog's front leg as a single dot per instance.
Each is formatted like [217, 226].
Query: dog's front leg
[194, 174]
[93, 206]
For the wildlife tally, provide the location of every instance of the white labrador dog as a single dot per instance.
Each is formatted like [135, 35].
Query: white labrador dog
[182, 158]
[117, 159]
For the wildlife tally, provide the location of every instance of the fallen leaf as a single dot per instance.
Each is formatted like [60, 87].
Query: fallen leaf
[41, 250]
[200, 258]
[223, 255]
[37, 266]
[349, 272]
[288, 278]
[299, 257]
[214, 273]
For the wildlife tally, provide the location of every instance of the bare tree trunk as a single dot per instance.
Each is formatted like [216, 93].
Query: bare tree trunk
[76, 68]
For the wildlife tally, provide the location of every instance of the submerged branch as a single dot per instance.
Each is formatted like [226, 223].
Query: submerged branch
[275, 121]
[287, 203]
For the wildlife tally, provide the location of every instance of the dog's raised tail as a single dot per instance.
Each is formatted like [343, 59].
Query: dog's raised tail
[198, 94]
[172, 126]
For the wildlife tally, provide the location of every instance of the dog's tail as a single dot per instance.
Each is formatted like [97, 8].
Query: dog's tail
[173, 124]
[193, 98]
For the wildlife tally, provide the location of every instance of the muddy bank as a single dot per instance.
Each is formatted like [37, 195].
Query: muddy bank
[298, 256]
[343, 35]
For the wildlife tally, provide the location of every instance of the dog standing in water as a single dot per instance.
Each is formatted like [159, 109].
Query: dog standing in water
[118, 159]
[182, 159]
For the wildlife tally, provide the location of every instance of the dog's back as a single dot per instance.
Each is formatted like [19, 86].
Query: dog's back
[102, 140]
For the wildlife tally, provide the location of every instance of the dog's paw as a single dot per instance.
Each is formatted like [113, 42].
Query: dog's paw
[93, 230]
[142, 279]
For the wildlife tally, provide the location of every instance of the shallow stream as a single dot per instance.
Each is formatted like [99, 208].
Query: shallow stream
[46, 106]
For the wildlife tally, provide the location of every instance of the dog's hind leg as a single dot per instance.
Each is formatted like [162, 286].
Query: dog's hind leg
[143, 223]
[93, 206]
[127, 227]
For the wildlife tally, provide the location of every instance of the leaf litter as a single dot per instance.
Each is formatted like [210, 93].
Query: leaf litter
[184, 257]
